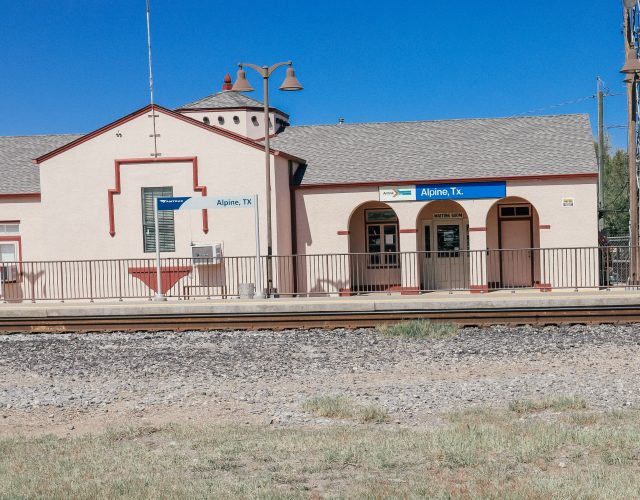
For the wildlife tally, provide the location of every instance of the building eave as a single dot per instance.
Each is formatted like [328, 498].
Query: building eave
[541, 177]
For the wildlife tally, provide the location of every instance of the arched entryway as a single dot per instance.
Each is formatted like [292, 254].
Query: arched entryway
[443, 243]
[374, 245]
[513, 235]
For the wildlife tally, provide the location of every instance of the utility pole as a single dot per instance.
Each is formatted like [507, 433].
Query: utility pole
[600, 154]
[631, 70]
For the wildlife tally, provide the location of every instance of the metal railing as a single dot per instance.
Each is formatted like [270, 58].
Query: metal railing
[319, 275]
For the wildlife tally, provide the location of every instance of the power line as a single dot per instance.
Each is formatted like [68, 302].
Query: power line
[553, 106]
[607, 93]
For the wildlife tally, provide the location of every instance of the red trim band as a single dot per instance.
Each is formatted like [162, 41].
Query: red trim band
[344, 233]
[545, 226]
[19, 195]
[471, 229]
[408, 231]
[136, 161]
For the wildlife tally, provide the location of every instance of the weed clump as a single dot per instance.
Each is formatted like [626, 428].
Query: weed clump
[342, 407]
[418, 329]
[560, 403]
[329, 406]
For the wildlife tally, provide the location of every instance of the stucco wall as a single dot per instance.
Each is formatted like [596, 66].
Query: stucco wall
[324, 212]
[75, 184]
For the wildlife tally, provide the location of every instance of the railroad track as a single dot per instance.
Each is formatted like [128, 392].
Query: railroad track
[281, 320]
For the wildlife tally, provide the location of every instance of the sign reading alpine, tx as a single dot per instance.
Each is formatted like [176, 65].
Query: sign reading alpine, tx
[198, 202]
[428, 192]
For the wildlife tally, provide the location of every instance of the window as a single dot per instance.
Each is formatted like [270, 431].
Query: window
[166, 226]
[8, 252]
[221, 120]
[515, 211]
[448, 238]
[9, 228]
[254, 120]
[382, 237]
[206, 120]
[236, 120]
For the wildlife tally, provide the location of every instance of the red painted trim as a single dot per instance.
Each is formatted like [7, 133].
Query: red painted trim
[345, 292]
[212, 128]
[9, 222]
[136, 161]
[437, 181]
[545, 226]
[408, 231]
[19, 195]
[170, 275]
[543, 287]
[471, 229]
[479, 288]
[344, 233]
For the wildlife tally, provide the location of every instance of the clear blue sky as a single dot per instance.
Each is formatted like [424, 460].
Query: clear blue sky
[75, 65]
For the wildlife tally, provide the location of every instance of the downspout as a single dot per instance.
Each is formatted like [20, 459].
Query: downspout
[294, 228]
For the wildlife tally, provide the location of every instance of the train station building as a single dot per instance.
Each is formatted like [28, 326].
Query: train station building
[396, 206]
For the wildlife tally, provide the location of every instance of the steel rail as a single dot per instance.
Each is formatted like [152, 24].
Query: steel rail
[326, 320]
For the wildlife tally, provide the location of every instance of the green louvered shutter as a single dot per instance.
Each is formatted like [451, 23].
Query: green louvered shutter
[165, 221]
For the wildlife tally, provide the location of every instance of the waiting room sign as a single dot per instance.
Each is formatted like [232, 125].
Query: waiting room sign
[428, 192]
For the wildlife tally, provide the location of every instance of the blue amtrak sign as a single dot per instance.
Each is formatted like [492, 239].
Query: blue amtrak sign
[428, 192]
[468, 191]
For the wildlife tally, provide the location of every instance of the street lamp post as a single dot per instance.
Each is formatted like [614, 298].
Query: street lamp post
[242, 85]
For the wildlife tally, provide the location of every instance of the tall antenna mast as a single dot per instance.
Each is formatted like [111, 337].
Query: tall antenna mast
[153, 111]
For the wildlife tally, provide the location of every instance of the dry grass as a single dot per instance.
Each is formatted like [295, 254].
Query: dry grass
[479, 453]
[559, 403]
[341, 407]
[418, 329]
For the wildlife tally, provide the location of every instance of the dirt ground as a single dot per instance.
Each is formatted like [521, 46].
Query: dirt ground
[76, 384]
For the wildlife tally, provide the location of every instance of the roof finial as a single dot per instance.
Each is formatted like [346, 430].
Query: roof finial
[227, 82]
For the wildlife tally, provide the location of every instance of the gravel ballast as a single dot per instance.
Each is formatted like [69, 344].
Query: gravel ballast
[265, 376]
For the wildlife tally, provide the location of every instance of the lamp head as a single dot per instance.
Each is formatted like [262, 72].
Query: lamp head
[242, 84]
[290, 82]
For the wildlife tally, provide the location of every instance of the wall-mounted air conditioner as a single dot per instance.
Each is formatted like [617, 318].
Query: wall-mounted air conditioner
[8, 273]
[207, 254]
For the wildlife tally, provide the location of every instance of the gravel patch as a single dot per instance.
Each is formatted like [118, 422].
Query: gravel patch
[266, 375]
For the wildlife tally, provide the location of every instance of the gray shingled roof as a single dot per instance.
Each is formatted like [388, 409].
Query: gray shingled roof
[408, 151]
[224, 99]
[17, 172]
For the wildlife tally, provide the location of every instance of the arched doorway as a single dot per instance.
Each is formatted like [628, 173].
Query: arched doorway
[443, 243]
[374, 245]
[513, 235]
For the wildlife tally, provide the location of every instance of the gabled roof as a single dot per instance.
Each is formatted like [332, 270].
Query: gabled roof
[226, 100]
[211, 128]
[18, 174]
[449, 149]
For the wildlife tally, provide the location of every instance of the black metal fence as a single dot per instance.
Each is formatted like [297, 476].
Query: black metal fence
[319, 275]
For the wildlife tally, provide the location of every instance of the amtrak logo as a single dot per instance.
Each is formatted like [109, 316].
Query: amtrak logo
[398, 193]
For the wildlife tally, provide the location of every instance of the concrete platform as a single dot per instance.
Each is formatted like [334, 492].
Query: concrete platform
[439, 301]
